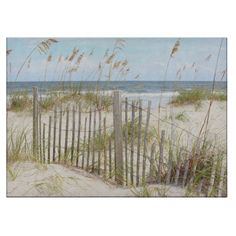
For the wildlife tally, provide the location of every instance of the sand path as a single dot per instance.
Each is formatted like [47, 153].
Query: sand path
[33, 179]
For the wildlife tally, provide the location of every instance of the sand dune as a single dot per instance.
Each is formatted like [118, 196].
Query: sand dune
[34, 179]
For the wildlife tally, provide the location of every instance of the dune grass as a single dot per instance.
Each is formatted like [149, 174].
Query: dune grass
[18, 148]
[181, 116]
[20, 101]
[196, 96]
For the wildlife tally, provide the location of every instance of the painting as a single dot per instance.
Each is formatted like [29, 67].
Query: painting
[116, 117]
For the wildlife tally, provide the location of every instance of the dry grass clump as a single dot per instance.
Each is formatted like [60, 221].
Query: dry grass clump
[20, 101]
[48, 102]
[196, 96]
[134, 128]
[18, 147]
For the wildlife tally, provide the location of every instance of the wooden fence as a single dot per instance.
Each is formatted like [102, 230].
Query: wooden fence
[119, 151]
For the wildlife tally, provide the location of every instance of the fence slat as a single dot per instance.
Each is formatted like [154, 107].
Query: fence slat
[59, 138]
[199, 187]
[89, 137]
[44, 157]
[78, 137]
[178, 167]
[84, 144]
[40, 136]
[145, 143]
[139, 141]
[160, 164]
[117, 113]
[186, 169]
[126, 141]
[49, 138]
[35, 114]
[169, 168]
[221, 182]
[195, 162]
[212, 179]
[73, 136]
[152, 162]
[94, 141]
[66, 135]
[99, 134]
[110, 160]
[105, 151]
[132, 145]
[54, 135]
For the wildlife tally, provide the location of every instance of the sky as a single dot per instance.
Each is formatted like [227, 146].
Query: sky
[147, 59]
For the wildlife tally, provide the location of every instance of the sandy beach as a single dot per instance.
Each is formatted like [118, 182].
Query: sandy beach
[35, 179]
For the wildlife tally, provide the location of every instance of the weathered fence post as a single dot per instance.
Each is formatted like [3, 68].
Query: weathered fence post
[160, 165]
[105, 150]
[49, 138]
[35, 121]
[110, 167]
[89, 138]
[132, 145]
[117, 113]
[40, 137]
[221, 182]
[99, 133]
[153, 171]
[54, 135]
[84, 143]
[66, 135]
[126, 141]
[212, 179]
[94, 140]
[59, 138]
[145, 143]
[178, 163]
[44, 158]
[73, 136]
[78, 137]
[139, 141]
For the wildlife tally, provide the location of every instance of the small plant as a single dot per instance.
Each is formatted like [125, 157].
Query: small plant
[20, 101]
[12, 172]
[48, 102]
[181, 116]
[18, 148]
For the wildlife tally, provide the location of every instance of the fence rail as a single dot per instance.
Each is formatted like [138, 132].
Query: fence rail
[121, 151]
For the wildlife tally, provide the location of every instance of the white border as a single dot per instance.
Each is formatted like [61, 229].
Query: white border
[119, 216]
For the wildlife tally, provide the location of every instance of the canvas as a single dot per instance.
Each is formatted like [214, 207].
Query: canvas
[116, 117]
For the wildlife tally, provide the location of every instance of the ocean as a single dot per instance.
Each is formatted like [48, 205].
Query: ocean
[146, 90]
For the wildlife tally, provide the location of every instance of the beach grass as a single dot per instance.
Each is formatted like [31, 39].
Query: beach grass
[20, 101]
[196, 96]
[181, 116]
[17, 146]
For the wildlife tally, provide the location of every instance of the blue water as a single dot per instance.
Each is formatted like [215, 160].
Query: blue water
[146, 90]
[124, 86]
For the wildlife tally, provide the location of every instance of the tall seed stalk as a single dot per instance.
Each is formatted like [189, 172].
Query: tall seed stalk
[207, 117]
[173, 52]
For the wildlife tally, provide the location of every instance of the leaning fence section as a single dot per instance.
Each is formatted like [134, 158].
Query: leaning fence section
[120, 146]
